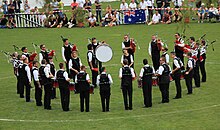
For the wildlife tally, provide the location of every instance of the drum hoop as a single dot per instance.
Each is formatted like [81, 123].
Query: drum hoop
[104, 45]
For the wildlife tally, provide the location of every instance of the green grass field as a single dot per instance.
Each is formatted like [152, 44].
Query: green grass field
[198, 111]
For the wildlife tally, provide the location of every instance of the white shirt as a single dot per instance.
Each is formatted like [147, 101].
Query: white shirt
[176, 63]
[203, 50]
[150, 2]
[131, 57]
[35, 74]
[65, 75]
[87, 76]
[124, 6]
[143, 5]
[167, 57]
[92, 20]
[149, 47]
[106, 16]
[142, 70]
[71, 63]
[27, 69]
[90, 55]
[81, 3]
[109, 77]
[133, 6]
[62, 51]
[189, 63]
[40, 57]
[47, 71]
[181, 43]
[178, 2]
[132, 72]
[161, 69]
[156, 18]
[123, 45]
[195, 52]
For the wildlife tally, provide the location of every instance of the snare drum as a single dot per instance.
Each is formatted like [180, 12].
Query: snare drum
[154, 81]
[103, 53]
[72, 86]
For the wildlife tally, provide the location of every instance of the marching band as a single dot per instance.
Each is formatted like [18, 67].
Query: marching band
[160, 73]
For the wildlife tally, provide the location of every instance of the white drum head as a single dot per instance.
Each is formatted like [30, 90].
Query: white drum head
[104, 53]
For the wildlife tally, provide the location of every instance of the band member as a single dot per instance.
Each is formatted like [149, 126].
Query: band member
[146, 77]
[83, 81]
[38, 88]
[104, 80]
[164, 79]
[46, 81]
[126, 44]
[66, 53]
[25, 52]
[202, 60]
[126, 74]
[189, 72]
[63, 81]
[15, 63]
[20, 87]
[176, 73]
[93, 64]
[196, 57]
[178, 48]
[52, 71]
[127, 56]
[74, 66]
[43, 53]
[192, 42]
[25, 76]
[154, 52]
[165, 54]
[94, 45]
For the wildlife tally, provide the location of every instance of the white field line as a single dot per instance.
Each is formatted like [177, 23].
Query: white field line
[111, 118]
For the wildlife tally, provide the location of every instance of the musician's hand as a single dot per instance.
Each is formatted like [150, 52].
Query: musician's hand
[76, 71]
[187, 73]
[66, 62]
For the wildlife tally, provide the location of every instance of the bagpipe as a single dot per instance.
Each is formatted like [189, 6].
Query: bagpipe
[161, 43]
[8, 56]
[133, 44]
[74, 48]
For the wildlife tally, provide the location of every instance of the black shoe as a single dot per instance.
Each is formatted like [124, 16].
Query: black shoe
[21, 96]
[189, 93]
[107, 111]
[39, 104]
[87, 111]
[130, 108]
[176, 97]
[82, 110]
[126, 108]
[30, 100]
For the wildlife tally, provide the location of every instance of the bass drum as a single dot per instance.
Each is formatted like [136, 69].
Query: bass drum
[104, 53]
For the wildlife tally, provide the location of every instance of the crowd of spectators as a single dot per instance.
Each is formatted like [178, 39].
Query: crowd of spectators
[107, 16]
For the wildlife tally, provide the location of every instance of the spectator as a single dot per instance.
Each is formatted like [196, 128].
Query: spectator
[108, 19]
[191, 3]
[88, 6]
[123, 5]
[92, 21]
[3, 22]
[143, 6]
[150, 6]
[81, 3]
[115, 18]
[5, 7]
[177, 16]
[108, 9]
[11, 23]
[213, 12]
[74, 5]
[201, 13]
[166, 18]
[59, 21]
[133, 5]
[98, 10]
[11, 8]
[52, 22]
[160, 4]
[167, 3]
[178, 3]
[17, 4]
[26, 7]
[60, 7]
[54, 6]
[72, 22]
[43, 18]
[155, 19]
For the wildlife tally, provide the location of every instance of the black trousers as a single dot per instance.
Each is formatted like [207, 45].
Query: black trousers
[18, 82]
[203, 71]
[38, 94]
[150, 12]
[176, 78]
[47, 95]
[65, 97]
[98, 15]
[84, 97]
[25, 83]
[67, 66]
[94, 77]
[196, 75]
[147, 93]
[53, 94]
[180, 55]
[105, 99]
[100, 67]
[156, 61]
[188, 79]
[164, 89]
[127, 95]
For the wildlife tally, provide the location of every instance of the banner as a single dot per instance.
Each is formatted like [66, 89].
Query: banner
[134, 16]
